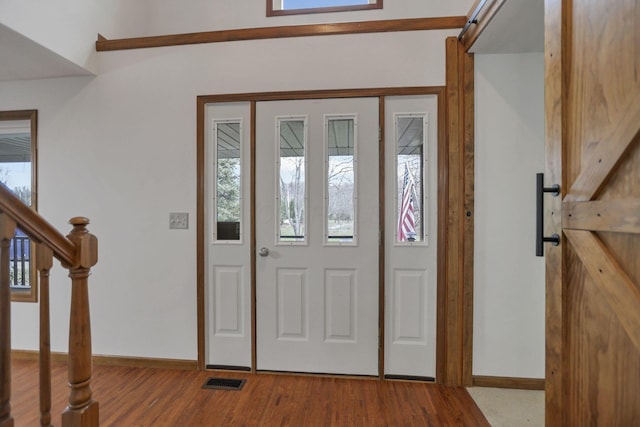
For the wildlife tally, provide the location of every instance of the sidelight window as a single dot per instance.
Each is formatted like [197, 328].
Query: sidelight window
[411, 164]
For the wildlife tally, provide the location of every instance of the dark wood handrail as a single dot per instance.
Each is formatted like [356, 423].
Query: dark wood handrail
[36, 227]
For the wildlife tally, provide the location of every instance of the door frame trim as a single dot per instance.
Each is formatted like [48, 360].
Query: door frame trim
[444, 328]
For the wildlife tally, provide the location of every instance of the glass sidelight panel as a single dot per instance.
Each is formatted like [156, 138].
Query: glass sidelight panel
[228, 202]
[410, 131]
[340, 191]
[292, 166]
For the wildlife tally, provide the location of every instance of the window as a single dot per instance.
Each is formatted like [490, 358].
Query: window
[340, 179]
[411, 162]
[18, 134]
[292, 179]
[297, 7]
[228, 185]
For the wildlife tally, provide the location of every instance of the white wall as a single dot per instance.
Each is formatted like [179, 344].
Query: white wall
[120, 148]
[508, 279]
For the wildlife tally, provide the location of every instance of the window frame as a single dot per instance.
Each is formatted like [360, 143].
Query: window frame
[273, 12]
[32, 117]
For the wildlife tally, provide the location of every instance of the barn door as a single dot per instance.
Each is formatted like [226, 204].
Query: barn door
[593, 151]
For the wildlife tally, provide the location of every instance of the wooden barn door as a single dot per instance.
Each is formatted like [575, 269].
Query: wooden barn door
[592, 50]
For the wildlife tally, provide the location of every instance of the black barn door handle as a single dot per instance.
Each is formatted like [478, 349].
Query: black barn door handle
[540, 190]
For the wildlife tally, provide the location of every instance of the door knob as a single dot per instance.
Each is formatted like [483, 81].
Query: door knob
[263, 252]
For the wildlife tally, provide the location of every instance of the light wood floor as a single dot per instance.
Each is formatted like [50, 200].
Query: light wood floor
[135, 397]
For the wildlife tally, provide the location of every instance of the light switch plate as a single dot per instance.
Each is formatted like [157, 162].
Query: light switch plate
[179, 220]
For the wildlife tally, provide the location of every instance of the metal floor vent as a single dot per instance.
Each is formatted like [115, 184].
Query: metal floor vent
[224, 384]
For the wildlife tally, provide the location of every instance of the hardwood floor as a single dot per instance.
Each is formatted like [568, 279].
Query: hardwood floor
[136, 397]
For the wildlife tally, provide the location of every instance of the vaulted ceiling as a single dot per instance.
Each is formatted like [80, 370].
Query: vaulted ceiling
[23, 59]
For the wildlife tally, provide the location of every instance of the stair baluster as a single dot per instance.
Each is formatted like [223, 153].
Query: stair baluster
[44, 262]
[7, 230]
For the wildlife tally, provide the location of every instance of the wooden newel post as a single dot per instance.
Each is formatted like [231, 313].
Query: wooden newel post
[82, 410]
[7, 230]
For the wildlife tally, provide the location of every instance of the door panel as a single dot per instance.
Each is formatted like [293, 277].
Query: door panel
[317, 286]
[411, 235]
[227, 235]
[593, 151]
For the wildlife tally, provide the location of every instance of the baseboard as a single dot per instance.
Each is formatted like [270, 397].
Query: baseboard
[137, 362]
[509, 382]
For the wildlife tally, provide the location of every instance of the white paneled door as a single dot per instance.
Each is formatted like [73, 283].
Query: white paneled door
[228, 237]
[411, 235]
[317, 237]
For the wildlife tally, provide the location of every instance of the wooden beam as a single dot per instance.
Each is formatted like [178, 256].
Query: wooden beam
[622, 294]
[618, 216]
[458, 303]
[393, 25]
[607, 154]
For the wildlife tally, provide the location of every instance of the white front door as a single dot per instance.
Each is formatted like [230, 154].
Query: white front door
[317, 236]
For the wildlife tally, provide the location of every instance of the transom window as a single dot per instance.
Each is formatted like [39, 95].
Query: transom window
[294, 7]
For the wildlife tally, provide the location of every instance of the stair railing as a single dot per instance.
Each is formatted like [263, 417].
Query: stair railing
[77, 252]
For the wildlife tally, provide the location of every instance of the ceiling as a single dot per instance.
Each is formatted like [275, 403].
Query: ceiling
[24, 59]
[518, 27]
